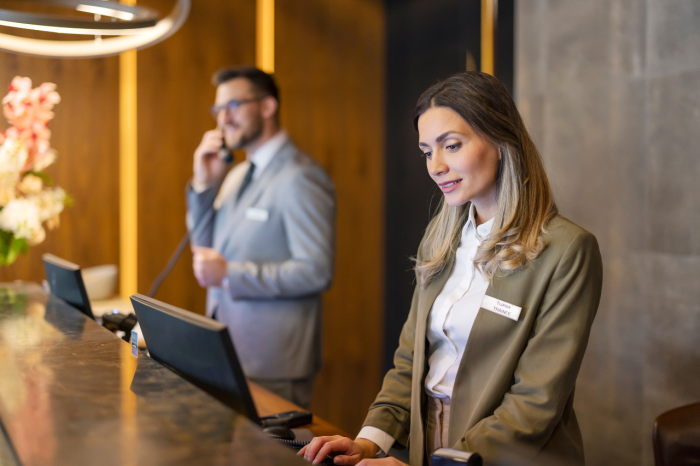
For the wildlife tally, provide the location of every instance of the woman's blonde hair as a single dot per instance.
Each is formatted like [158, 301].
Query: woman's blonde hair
[525, 200]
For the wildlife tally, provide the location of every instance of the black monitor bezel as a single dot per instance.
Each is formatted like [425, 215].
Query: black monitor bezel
[243, 402]
[56, 265]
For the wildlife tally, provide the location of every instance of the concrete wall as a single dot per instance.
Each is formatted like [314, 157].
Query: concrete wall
[610, 90]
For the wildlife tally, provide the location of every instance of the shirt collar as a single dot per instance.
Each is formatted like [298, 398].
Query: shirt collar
[265, 153]
[483, 230]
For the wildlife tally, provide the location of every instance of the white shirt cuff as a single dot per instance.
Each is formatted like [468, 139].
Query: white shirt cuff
[383, 440]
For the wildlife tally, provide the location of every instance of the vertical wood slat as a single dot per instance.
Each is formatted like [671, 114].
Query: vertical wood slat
[330, 69]
[488, 9]
[265, 35]
[128, 175]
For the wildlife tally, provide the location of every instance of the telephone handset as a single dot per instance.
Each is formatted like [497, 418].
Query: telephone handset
[224, 153]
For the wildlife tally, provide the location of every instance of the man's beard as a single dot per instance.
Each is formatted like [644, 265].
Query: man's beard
[246, 138]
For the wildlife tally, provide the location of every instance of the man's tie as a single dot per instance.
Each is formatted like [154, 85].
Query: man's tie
[246, 180]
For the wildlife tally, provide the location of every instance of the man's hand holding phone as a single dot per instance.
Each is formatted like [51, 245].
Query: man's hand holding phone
[207, 166]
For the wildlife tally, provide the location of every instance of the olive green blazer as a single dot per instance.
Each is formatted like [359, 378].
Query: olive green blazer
[513, 396]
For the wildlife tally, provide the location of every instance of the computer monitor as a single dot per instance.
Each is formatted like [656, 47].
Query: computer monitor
[197, 348]
[66, 282]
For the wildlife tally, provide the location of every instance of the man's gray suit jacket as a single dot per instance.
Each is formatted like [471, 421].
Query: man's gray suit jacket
[277, 267]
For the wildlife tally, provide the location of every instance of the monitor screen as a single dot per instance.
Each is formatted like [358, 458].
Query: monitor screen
[197, 348]
[66, 282]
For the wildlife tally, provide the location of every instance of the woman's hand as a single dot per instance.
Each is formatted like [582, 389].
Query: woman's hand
[349, 452]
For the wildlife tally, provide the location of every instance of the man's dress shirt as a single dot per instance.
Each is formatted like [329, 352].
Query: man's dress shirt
[261, 158]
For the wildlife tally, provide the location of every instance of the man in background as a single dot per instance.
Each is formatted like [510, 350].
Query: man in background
[265, 249]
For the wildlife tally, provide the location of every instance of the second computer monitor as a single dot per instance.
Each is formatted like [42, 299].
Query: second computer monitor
[66, 282]
[197, 348]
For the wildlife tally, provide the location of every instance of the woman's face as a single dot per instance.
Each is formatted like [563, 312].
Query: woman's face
[459, 160]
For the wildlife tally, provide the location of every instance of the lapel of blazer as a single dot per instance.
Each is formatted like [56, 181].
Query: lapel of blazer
[461, 418]
[472, 376]
[431, 292]
[255, 190]
[425, 303]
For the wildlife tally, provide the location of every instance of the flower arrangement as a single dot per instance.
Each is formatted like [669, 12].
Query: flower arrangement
[28, 199]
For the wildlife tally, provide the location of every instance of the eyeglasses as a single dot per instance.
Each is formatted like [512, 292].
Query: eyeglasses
[232, 105]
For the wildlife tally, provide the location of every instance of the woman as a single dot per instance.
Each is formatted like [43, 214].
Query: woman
[506, 294]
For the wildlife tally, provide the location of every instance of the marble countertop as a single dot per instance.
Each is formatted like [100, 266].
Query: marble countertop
[71, 393]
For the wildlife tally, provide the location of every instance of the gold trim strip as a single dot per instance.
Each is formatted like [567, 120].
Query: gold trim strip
[128, 206]
[265, 35]
[128, 233]
[488, 9]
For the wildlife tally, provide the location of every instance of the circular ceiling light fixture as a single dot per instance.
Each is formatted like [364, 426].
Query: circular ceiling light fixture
[136, 27]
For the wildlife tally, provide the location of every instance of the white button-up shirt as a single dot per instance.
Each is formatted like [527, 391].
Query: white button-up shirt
[453, 313]
[450, 321]
[261, 158]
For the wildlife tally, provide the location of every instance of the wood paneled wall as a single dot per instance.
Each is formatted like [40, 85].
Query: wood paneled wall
[85, 132]
[174, 96]
[330, 68]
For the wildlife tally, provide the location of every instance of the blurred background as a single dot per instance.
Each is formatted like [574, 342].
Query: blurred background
[610, 90]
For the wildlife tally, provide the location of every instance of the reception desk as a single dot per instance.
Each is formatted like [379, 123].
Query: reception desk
[71, 393]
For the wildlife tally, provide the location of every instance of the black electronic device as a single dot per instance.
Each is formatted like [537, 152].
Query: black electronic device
[224, 153]
[279, 432]
[288, 419]
[296, 446]
[452, 457]
[200, 350]
[66, 282]
[115, 321]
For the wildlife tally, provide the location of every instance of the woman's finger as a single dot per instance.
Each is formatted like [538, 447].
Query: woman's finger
[341, 444]
[313, 447]
[323, 452]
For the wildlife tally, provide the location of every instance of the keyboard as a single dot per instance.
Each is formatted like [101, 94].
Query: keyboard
[296, 446]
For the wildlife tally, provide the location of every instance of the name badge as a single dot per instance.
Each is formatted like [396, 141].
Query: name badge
[501, 307]
[259, 215]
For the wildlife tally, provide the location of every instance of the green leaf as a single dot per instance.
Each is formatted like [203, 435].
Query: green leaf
[17, 246]
[48, 181]
[11, 247]
[69, 201]
[5, 241]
